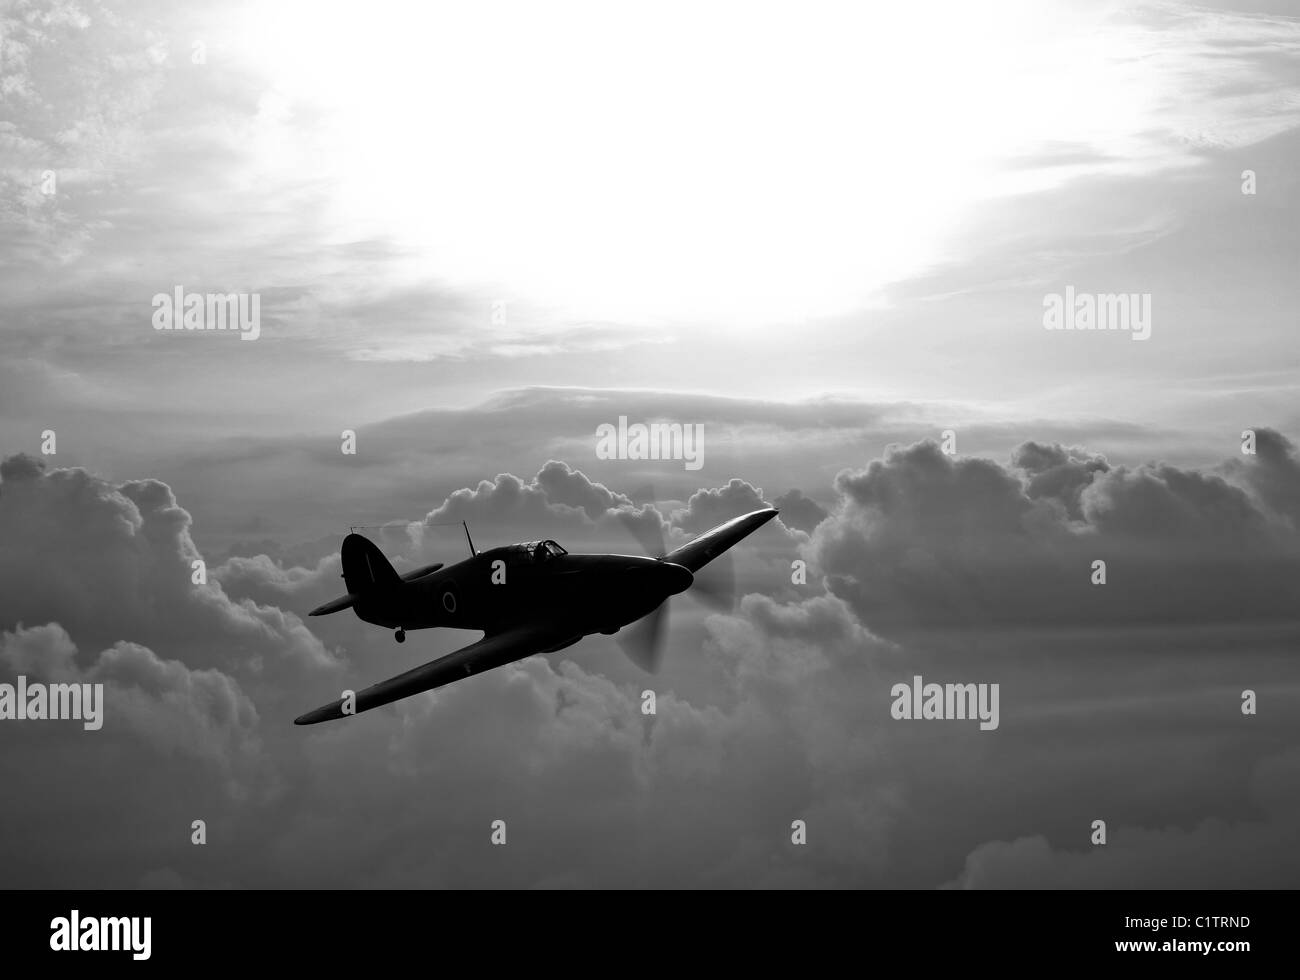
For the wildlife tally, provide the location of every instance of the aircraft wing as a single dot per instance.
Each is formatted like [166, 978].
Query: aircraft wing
[491, 651]
[698, 552]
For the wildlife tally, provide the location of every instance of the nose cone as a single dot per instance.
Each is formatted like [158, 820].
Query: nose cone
[676, 578]
[658, 577]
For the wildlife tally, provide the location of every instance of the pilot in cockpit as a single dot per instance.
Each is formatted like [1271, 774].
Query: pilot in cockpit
[545, 550]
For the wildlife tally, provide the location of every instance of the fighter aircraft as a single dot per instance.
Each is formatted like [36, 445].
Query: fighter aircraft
[527, 599]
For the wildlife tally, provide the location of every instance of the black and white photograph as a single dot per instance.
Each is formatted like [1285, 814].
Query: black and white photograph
[837, 447]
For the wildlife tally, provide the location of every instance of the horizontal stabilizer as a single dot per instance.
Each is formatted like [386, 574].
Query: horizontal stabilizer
[421, 572]
[334, 605]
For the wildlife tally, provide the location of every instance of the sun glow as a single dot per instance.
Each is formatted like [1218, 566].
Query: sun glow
[735, 164]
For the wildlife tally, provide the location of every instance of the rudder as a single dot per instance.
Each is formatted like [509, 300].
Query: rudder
[365, 567]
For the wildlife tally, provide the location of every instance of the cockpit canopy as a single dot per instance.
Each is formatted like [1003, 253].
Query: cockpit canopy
[538, 550]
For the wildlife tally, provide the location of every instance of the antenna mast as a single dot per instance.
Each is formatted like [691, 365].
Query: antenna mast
[465, 524]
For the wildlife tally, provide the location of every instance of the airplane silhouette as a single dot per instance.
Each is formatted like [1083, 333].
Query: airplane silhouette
[526, 598]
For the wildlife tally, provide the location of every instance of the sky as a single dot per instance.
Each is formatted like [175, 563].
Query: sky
[824, 232]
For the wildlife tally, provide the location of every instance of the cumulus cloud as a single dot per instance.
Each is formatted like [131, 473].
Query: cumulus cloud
[558, 496]
[96, 808]
[711, 506]
[799, 512]
[596, 793]
[583, 733]
[1272, 474]
[114, 562]
[779, 713]
[982, 571]
[203, 713]
[562, 500]
[1057, 473]
[925, 541]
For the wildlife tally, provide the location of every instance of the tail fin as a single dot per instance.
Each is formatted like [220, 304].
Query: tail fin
[365, 567]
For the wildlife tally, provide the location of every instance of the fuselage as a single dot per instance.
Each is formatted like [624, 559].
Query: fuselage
[503, 587]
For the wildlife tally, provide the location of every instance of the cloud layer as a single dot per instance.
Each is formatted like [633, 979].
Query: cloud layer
[1124, 708]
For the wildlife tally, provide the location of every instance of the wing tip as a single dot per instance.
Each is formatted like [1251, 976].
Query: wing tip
[326, 712]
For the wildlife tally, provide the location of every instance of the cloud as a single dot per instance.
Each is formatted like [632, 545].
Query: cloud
[556, 493]
[589, 756]
[799, 512]
[1272, 474]
[562, 500]
[711, 506]
[1263, 852]
[779, 712]
[406, 461]
[202, 713]
[114, 562]
[1058, 473]
[925, 541]
[596, 793]
[177, 744]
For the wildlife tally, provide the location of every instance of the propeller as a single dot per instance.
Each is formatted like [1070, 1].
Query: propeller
[714, 585]
[643, 642]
